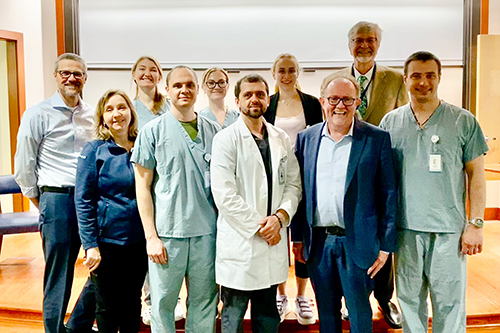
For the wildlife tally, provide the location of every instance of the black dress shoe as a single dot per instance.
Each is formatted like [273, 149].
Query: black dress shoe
[392, 315]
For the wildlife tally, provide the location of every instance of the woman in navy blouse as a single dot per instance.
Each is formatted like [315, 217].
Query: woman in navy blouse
[109, 223]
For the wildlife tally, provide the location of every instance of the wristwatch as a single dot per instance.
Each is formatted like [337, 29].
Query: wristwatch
[477, 222]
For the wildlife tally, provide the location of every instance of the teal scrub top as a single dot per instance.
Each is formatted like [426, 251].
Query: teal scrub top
[231, 116]
[144, 115]
[182, 198]
[433, 201]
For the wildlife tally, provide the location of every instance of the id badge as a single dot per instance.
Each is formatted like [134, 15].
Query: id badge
[207, 179]
[281, 171]
[435, 163]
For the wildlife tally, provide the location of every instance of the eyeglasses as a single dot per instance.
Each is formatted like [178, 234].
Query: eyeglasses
[67, 74]
[359, 41]
[211, 84]
[348, 101]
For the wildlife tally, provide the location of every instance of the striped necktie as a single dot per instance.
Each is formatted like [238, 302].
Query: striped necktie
[364, 102]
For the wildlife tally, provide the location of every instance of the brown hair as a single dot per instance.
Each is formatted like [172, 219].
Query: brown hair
[101, 130]
[421, 56]
[250, 78]
[159, 99]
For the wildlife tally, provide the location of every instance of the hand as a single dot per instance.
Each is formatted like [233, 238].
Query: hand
[378, 264]
[472, 240]
[270, 227]
[36, 202]
[92, 258]
[275, 240]
[156, 251]
[298, 252]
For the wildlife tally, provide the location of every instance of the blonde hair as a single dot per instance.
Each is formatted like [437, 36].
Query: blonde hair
[159, 99]
[295, 62]
[209, 71]
[101, 130]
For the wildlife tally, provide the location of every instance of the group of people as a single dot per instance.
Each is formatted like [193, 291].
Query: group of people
[151, 187]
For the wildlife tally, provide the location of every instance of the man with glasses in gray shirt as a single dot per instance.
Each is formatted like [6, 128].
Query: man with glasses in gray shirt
[50, 138]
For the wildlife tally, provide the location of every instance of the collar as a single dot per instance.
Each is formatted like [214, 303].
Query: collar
[368, 75]
[326, 132]
[58, 103]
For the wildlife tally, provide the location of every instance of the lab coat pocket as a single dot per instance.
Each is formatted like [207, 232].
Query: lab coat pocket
[232, 247]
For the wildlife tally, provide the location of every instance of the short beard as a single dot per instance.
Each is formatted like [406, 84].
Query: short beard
[255, 114]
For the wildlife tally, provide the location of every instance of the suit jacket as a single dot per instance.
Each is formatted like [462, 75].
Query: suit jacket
[244, 260]
[311, 105]
[387, 93]
[370, 201]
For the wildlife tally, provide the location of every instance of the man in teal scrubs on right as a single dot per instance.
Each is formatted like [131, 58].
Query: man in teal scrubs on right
[439, 150]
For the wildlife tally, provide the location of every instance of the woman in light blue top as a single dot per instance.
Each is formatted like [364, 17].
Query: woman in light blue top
[149, 102]
[215, 84]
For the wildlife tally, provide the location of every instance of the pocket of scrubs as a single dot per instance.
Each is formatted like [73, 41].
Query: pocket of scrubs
[282, 170]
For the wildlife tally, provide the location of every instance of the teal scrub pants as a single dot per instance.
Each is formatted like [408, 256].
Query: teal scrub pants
[193, 259]
[431, 263]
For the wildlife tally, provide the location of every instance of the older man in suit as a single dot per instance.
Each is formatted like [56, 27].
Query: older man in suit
[382, 90]
[345, 225]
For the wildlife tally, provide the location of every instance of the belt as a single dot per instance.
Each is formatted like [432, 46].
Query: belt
[335, 231]
[66, 189]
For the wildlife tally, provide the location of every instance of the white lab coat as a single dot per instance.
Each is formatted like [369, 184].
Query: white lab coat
[244, 261]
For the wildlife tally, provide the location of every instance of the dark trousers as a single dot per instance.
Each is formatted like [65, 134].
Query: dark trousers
[263, 312]
[118, 280]
[334, 274]
[301, 270]
[61, 244]
[83, 315]
[384, 282]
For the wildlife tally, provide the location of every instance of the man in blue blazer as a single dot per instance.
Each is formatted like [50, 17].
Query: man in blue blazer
[345, 227]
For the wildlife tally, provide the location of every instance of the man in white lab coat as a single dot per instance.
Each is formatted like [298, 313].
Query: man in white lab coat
[256, 187]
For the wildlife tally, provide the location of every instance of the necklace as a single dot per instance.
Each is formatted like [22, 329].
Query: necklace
[422, 125]
[285, 102]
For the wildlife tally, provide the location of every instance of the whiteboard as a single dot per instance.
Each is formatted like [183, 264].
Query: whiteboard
[250, 34]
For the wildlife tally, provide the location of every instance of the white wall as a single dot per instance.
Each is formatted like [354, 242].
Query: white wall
[26, 17]
[250, 34]
[494, 17]
[49, 46]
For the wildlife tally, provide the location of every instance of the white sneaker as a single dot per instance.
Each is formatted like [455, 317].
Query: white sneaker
[146, 315]
[178, 312]
[283, 306]
[303, 311]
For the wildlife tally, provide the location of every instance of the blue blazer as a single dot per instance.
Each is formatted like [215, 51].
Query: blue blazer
[370, 202]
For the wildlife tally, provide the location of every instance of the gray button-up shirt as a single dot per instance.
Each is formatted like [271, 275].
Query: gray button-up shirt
[50, 138]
